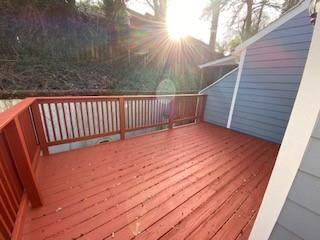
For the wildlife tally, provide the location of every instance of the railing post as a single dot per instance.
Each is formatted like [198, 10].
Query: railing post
[122, 118]
[39, 127]
[203, 107]
[172, 111]
[19, 152]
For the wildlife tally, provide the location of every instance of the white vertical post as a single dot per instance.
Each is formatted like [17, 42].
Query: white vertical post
[236, 87]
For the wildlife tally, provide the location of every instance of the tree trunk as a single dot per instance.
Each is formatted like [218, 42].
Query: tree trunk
[160, 9]
[214, 26]
[288, 4]
[248, 21]
[163, 9]
[257, 27]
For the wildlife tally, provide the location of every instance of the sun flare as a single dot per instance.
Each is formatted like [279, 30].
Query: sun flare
[179, 22]
[177, 30]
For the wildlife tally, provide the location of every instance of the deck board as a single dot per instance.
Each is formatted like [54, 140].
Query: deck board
[199, 182]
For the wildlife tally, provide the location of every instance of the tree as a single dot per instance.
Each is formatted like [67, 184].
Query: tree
[247, 23]
[213, 11]
[247, 17]
[256, 15]
[117, 21]
[159, 8]
[288, 4]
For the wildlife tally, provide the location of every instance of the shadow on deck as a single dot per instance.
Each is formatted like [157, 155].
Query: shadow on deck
[196, 182]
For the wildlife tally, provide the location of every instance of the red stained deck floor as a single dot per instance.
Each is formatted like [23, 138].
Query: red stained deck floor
[194, 182]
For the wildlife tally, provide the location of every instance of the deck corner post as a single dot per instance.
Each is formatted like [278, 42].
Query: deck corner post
[39, 128]
[122, 118]
[20, 155]
[172, 111]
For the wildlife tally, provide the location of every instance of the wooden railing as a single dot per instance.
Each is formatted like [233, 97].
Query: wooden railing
[71, 119]
[32, 126]
[19, 151]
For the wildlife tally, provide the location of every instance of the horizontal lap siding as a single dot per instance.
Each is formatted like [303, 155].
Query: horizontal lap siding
[219, 99]
[281, 233]
[301, 212]
[270, 79]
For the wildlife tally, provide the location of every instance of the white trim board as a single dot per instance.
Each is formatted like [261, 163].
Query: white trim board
[236, 87]
[226, 61]
[219, 80]
[277, 23]
[302, 120]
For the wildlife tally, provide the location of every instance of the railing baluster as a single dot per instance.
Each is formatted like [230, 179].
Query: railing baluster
[52, 122]
[8, 186]
[112, 114]
[39, 127]
[140, 109]
[127, 115]
[77, 118]
[122, 117]
[88, 117]
[107, 114]
[68, 135]
[82, 119]
[132, 114]
[172, 112]
[152, 111]
[118, 114]
[136, 112]
[71, 122]
[93, 119]
[98, 116]
[44, 116]
[5, 231]
[102, 117]
[19, 152]
[58, 118]
[158, 110]
[6, 208]
[145, 112]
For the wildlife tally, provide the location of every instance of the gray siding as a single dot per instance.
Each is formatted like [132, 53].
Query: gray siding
[219, 99]
[300, 216]
[281, 233]
[270, 79]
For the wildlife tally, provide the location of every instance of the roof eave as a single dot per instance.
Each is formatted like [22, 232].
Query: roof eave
[226, 61]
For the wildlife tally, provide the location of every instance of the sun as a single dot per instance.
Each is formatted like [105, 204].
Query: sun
[176, 30]
[179, 23]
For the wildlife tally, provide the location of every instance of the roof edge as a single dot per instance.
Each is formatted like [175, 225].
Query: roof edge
[219, 80]
[218, 61]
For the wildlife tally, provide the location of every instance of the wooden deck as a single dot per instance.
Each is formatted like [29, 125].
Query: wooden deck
[193, 182]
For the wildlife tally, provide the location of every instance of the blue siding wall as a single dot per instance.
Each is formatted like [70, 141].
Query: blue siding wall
[219, 99]
[300, 216]
[270, 79]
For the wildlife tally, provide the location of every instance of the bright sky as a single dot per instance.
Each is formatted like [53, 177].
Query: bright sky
[185, 18]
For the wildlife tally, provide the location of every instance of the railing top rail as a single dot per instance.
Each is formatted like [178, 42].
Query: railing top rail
[116, 97]
[8, 115]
